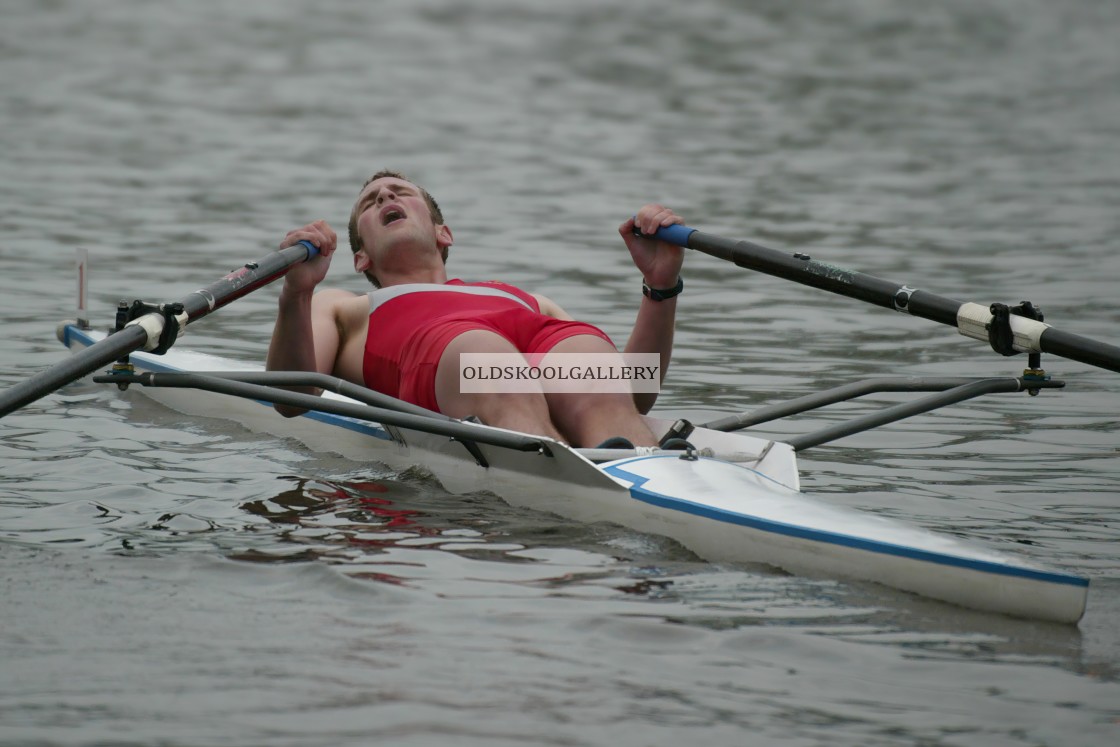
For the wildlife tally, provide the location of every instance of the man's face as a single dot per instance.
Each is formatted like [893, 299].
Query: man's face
[392, 211]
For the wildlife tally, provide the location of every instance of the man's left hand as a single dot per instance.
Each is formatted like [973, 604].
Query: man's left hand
[658, 261]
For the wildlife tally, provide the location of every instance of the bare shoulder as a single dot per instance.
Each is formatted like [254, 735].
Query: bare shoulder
[344, 306]
[551, 308]
[337, 299]
[334, 296]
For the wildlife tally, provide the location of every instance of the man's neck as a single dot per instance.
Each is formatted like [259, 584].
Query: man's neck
[424, 275]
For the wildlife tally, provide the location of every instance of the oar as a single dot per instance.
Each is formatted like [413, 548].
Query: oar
[971, 319]
[148, 331]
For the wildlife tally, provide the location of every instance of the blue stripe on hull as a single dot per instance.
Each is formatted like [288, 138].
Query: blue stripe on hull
[638, 491]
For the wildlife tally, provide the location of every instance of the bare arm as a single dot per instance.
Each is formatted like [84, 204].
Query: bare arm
[660, 264]
[306, 336]
[551, 308]
[653, 333]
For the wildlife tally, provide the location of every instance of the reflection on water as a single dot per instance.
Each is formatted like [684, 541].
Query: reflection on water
[374, 531]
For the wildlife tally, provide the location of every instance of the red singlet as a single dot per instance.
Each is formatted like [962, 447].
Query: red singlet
[411, 325]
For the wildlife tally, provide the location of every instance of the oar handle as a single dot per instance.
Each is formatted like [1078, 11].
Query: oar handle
[675, 234]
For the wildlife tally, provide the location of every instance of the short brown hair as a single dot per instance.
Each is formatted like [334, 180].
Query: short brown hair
[356, 239]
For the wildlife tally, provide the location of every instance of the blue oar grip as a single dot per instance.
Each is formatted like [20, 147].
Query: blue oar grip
[312, 250]
[674, 234]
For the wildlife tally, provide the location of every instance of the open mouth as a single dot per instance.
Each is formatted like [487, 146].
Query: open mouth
[391, 215]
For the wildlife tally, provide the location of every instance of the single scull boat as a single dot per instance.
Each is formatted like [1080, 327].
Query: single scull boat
[736, 500]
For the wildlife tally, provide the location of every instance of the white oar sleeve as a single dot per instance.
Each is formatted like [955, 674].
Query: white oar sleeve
[973, 320]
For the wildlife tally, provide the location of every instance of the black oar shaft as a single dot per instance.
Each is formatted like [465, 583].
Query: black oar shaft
[245, 280]
[1081, 349]
[134, 337]
[802, 269]
[870, 289]
[75, 367]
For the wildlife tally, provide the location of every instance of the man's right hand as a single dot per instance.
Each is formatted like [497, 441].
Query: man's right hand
[304, 277]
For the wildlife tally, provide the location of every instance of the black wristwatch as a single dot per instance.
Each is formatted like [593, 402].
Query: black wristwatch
[660, 294]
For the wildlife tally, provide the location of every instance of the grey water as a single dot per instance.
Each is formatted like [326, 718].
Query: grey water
[176, 582]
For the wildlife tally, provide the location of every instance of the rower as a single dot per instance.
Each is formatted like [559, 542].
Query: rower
[405, 338]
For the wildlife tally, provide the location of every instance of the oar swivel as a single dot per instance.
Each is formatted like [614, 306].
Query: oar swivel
[161, 323]
[978, 322]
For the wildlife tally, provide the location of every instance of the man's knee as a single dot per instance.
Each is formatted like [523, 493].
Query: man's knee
[580, 406]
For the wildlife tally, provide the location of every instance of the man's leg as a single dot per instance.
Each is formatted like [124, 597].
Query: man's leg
[526, 412]
[589, 418]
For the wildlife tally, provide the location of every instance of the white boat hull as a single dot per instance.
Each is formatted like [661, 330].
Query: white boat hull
[749, 511]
